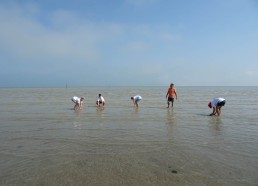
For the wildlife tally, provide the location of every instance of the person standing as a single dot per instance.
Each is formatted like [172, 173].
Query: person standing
[100, 101]
[78, 102]
[216, 104]
[136, 99]
[171, 95]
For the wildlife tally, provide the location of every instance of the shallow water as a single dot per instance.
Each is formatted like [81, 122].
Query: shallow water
[45, 142]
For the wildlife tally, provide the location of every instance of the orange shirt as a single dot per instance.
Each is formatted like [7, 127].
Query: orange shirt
[171, 92]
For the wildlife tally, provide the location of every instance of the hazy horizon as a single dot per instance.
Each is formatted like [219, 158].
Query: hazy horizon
[129, 86]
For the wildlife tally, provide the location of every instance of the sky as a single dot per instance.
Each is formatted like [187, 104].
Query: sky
[45, 43]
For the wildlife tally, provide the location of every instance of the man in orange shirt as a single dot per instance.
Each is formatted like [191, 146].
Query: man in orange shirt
[171, 94]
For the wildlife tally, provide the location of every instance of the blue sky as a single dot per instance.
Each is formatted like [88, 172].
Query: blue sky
[45, 43]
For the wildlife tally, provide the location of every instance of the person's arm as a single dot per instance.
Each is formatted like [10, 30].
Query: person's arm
[76, 106]
[133, 101]
[176, 94]
[167, 93]
[214, 111]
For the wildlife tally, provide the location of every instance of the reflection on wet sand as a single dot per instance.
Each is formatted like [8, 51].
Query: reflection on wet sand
[170, 117]
[215, 122]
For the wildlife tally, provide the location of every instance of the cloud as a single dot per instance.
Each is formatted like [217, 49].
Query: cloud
[61, 43]
[64, 35]
[25, 37]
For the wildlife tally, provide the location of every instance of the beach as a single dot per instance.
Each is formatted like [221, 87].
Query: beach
[45, 142]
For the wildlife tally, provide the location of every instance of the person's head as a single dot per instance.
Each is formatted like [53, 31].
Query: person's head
[131, 98]
[209, 105]
[99, 95]
[82, 98]
[171, 85]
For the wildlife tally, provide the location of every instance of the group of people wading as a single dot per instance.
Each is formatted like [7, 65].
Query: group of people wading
[216, 104]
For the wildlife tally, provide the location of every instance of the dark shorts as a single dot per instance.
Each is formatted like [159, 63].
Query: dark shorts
[221, 104]
[171, 99]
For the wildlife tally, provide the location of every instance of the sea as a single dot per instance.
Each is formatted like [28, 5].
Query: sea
[43, 141]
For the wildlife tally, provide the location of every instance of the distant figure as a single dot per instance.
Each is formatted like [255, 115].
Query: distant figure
[171, 94]
[78, 102]
[216, 104]
[100, 101]
[136, 99]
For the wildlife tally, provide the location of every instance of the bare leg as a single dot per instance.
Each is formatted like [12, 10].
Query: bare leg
[218, 110]
[136, 104]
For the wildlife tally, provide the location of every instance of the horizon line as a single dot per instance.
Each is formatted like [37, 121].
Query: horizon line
[94, 86]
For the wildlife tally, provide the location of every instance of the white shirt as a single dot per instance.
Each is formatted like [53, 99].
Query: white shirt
[76, 100]
[101, 99]
[137, 97]
[216, 101]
